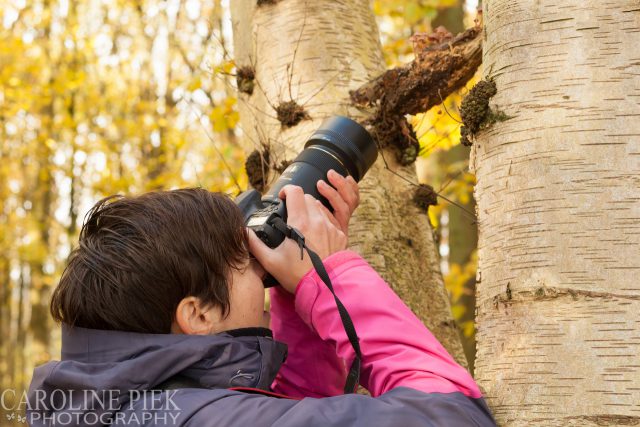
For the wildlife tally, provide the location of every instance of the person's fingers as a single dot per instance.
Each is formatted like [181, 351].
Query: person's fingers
[356, 189]
[262, 252]
[346, 187]
[310, 203]
[287, 189]
[281, 193]
[341, 210]
[328, 215]
[315, 215]
[294, 199]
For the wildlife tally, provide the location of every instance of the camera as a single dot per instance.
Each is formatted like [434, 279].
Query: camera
[340, 144]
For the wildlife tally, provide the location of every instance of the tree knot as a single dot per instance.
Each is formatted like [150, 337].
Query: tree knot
[245, 76]
[257, 167]
[289, 113]
[425, 196]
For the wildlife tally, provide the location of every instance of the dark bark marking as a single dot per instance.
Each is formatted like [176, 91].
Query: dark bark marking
[257, 167]
[245, 77]
[425, 196]
[290, 113]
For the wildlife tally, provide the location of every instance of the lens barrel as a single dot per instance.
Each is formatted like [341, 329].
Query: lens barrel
[340, 144]
[349, 141]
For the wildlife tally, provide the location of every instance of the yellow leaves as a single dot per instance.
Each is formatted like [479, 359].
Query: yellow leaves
[217, 117]
[468, 328]
[438, 128]
[44, 176]
[458, 311]
[410, 11]
[232, 119]
[30, 248]
[108, 184]
[178, 142]
[434, 215]
[438, 131]
[224, 117]
[225, 68]
[398, 19]
[194, 84]
[379, 8]
[65, 121]
[415, 12]
[456, 282]
[68, 80]
[78, 112]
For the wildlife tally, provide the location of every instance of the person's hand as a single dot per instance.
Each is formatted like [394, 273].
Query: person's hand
[344, 198]
[322, 231]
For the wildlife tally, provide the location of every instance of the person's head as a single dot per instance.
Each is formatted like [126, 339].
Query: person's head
[166, 261]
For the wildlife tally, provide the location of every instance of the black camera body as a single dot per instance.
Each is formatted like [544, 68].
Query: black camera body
[259, 214]
[340, 144]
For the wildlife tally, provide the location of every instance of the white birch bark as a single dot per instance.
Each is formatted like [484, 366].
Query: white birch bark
[336, 48]
[559, 214]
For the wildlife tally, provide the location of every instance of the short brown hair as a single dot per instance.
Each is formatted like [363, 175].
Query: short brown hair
[139, 256]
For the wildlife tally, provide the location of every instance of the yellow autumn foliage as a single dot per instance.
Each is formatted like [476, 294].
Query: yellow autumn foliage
[106, 97]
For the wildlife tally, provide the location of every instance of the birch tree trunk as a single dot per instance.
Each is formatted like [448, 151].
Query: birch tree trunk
[559, 211]
[313, 53]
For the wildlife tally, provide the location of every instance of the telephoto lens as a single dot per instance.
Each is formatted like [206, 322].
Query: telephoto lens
[340, 144]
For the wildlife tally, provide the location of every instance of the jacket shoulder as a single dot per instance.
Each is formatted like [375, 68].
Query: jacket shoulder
[400, 406]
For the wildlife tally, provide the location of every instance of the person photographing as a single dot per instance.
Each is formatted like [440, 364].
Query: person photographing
[162, 310]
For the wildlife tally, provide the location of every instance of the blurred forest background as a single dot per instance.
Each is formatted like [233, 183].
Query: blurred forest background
[99, 97]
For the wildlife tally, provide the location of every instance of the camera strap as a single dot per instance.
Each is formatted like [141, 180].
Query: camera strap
[353, 376]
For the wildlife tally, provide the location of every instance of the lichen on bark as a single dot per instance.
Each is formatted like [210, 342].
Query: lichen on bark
[475, 112]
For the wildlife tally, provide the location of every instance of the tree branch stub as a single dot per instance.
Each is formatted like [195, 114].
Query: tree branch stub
[442, 65]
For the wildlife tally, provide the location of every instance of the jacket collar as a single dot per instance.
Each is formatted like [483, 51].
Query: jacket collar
[246, 357]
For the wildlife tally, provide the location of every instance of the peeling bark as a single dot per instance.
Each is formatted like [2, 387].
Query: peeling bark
[438, 70]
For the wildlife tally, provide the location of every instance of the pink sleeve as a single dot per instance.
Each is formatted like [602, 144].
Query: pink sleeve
[312, 368]
[397, 349]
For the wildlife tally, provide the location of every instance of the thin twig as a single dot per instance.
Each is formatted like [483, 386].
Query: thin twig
[325, 85]
[471, 214]
[433, 145]
[206, 132]
[295, 50]
[451, 180]
[445, 108]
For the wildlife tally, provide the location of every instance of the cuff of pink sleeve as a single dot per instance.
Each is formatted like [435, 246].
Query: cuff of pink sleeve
[309, 286]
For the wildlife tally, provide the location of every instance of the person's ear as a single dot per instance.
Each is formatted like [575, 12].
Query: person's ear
[194, 318]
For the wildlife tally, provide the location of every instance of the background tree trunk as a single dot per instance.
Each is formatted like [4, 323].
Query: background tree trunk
[559, 207]
[313, 53]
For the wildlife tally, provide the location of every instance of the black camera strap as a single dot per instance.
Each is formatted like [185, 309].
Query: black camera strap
[354, 372]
